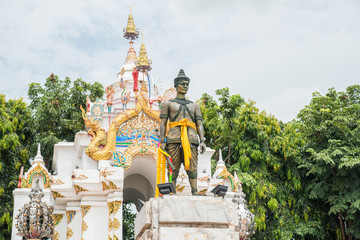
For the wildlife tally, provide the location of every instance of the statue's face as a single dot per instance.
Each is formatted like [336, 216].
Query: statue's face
[183, 87]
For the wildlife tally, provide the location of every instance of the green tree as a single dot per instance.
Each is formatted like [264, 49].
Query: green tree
[16, 135]
[331, 128]
[56, 110]
[128, 226]
[266, 157]
[220, 127]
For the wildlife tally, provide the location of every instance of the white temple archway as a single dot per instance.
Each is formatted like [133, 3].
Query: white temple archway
[140, 179]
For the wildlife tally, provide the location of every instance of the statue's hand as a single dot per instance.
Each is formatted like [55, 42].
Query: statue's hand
[202, 147]
[162, 146]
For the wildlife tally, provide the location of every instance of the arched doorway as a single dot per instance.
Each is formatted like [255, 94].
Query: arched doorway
[140, 179]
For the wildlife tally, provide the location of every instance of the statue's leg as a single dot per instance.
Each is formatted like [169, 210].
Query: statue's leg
[192, 171]
[174, 149]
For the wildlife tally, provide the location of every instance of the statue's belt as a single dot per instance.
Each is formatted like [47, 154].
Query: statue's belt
[184, 123]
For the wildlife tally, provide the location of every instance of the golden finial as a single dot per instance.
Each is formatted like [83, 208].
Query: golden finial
[143, 62]
[130, 9]
[130, 32]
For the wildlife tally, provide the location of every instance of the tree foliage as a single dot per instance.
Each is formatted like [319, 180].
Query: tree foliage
[16, 136]
[128, 226]
[221, 126]
[330, 125]
[266, 155]
[56, 110]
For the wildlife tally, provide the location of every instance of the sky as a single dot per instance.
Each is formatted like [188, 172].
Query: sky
[276, 53]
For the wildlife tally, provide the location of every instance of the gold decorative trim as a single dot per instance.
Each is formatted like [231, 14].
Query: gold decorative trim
[139, 149]
[79, 189]
[84, 227]
[57, 195]
[105, 186]
[115, 237]
[205, 179]
[69, 233]
[74, 176]
[109, 238]
[25, 183]
[70, 215]
[111, 207]
[84, 210]
[117, 205]
[179, 188]
[56, 182]
[56, 235]
[38, 170]
[225, 174]
[58, 218]
[112, 185]
[203, 191]
[116, 224]
[110, 225]
[105, 172]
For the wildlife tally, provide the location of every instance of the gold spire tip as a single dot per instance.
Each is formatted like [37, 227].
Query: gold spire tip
[130, 32]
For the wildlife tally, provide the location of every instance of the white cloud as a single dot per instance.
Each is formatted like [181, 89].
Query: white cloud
[262, 50]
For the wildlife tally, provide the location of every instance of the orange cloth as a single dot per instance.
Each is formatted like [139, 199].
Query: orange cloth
[184, 123]
[160, 174]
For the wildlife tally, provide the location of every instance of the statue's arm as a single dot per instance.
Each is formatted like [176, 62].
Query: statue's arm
[164, 115]
[200, 128]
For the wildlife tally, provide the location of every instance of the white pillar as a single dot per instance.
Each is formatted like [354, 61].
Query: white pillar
[95, 217]
[84, 226]
[110, 204]
[73, 217]
[115, 215]
[60, 223]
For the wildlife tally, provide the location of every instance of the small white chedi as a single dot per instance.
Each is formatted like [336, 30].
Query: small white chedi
[115, 160]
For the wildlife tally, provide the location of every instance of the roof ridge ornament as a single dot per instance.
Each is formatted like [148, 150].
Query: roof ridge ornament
[221, 161]
[38, 158]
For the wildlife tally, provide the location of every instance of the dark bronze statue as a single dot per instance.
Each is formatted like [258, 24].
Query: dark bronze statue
[185, 124]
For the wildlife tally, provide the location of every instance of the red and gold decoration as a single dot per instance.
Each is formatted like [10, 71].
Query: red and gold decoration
[135, 75]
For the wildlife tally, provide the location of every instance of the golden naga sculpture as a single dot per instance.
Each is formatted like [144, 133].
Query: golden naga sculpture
[100, 138]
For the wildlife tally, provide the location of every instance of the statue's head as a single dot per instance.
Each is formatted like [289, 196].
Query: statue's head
[181, 77]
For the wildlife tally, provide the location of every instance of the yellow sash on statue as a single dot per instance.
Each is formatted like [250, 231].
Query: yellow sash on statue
[184, 123]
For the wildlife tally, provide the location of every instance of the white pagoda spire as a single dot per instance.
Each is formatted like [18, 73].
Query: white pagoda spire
[38, 158]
